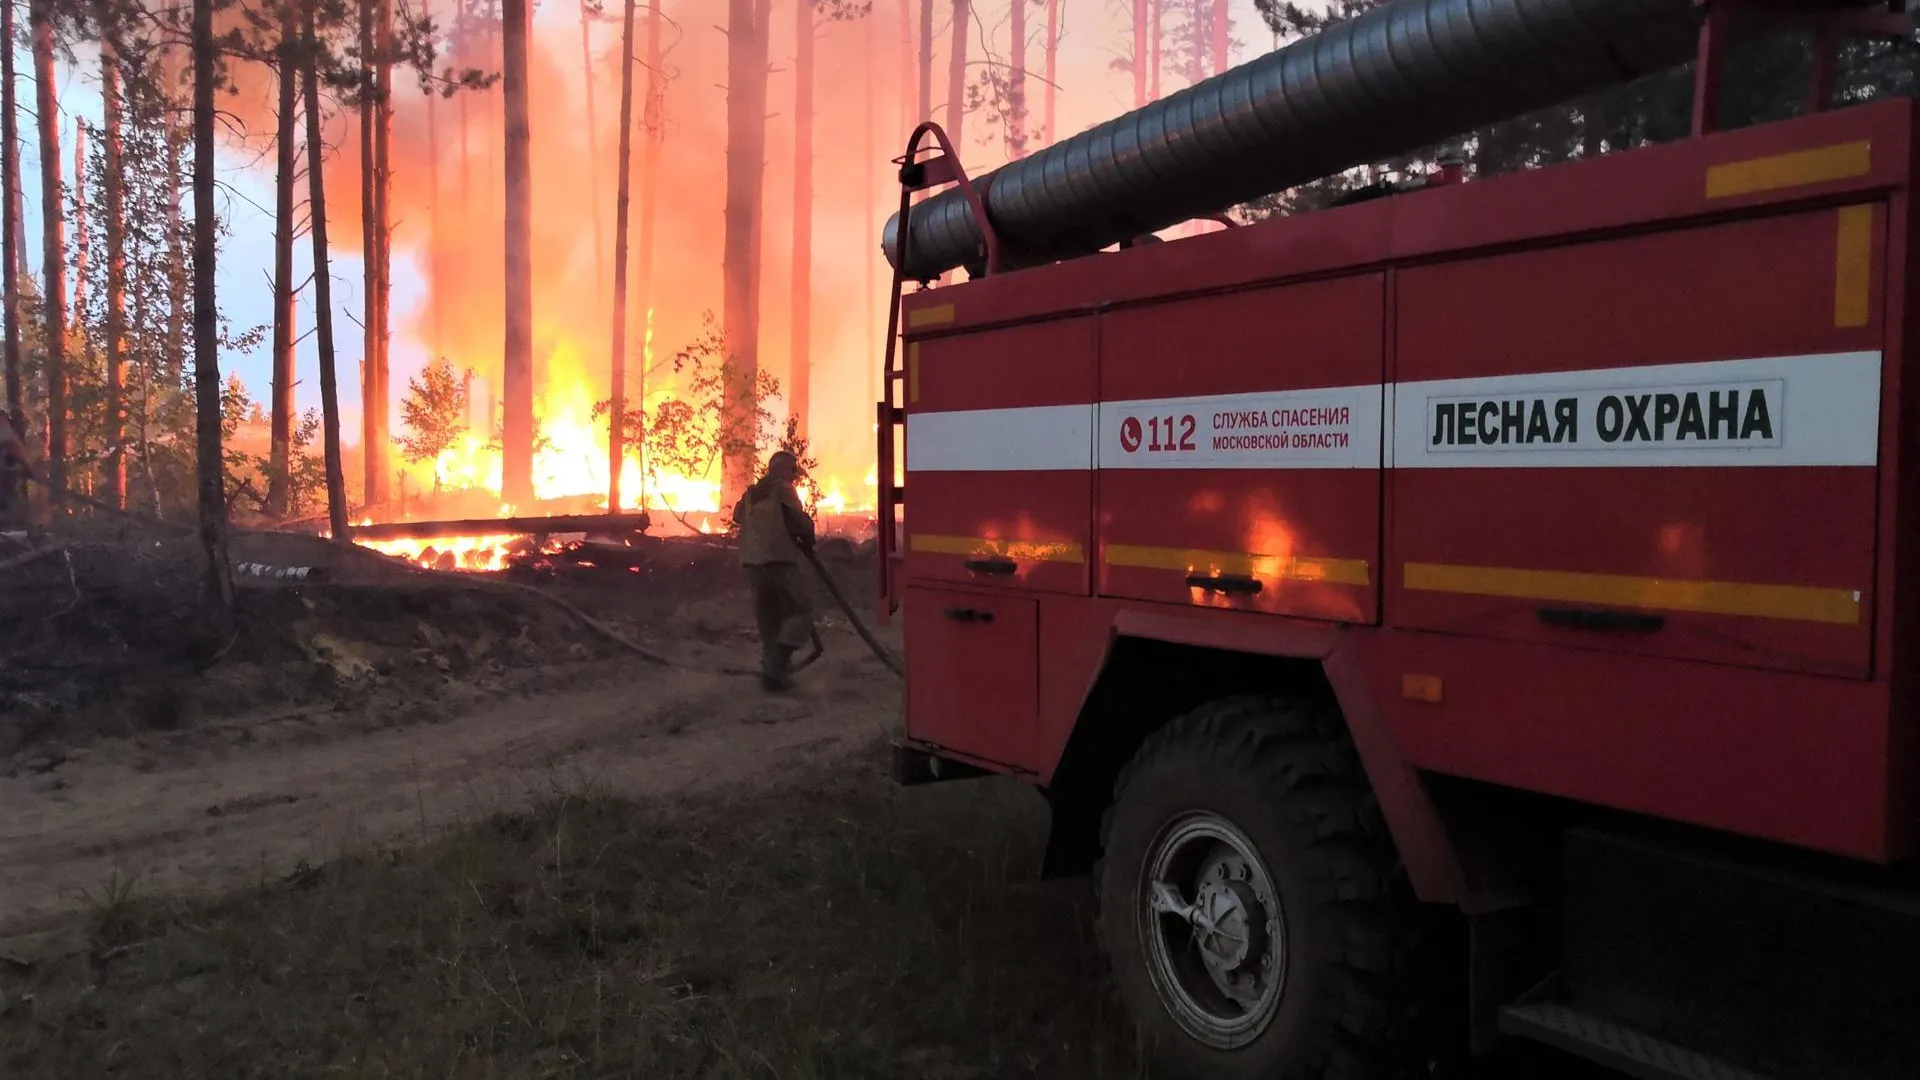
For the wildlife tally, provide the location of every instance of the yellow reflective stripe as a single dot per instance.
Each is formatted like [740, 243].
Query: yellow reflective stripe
[1064, 551]
[1277, 567]
[1842, 161]
[1853, 266]
[1796, 602]
[931, 315]
[913, 372]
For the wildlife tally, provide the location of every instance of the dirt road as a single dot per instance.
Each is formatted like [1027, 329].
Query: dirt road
[254, 797]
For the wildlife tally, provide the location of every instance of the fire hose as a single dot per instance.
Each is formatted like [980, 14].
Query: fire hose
[860, 627]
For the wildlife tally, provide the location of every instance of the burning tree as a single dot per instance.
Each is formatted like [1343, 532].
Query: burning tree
[708, 420]
[434, 412]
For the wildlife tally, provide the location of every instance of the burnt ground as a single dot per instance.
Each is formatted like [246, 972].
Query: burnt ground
[141, 742]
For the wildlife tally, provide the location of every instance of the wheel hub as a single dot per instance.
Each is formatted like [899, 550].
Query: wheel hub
[1218, 958]
[1226, 923]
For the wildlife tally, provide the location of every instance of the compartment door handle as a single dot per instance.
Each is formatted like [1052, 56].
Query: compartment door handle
[1224, 583]
[1600, 619]
[995, 564]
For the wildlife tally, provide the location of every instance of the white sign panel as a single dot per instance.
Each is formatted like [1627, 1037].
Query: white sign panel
[1336, 428]
[1793, 410]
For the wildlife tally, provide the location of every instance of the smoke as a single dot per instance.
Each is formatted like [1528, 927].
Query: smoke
[448, 214]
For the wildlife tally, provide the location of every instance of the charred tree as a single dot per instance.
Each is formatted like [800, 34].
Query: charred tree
[800, 354]
[740, 259]
[116, 230]
[322, 281]
[54, 247]
[517, 378]
[10, 226]
[206, 321]
[957, 72]
[617, 413]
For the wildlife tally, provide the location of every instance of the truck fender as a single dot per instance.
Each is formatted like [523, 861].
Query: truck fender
[1414, 822]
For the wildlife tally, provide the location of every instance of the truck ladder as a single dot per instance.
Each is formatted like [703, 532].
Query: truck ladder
[917, 173]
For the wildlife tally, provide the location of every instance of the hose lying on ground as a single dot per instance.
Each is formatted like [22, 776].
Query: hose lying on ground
[859, 626]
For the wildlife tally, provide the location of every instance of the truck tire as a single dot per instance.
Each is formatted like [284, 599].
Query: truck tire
[1255, 915]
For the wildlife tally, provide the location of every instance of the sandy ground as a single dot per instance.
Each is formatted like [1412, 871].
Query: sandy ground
[252, 798]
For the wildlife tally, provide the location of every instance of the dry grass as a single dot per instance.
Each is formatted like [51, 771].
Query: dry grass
[836, 927]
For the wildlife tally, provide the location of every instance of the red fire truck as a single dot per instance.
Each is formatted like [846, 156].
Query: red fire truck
[1483, 612]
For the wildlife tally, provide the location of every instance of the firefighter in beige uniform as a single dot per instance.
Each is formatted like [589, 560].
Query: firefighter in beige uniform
[774, 527]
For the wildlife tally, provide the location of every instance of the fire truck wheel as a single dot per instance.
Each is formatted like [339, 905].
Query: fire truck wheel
[1248, 902]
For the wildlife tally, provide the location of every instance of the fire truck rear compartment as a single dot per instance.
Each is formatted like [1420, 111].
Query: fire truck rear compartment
[1708, 634]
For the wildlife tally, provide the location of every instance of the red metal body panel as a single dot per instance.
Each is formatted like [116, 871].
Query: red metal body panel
[1746, 288]
[1156, 525]
[1042, 522]
[980, 649]
[1768, 686]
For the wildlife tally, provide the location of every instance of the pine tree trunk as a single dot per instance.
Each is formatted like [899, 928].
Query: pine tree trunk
[116, 278]
[176, 259]
[1051, 133]
[1017, 84]
[1197, 48]
[322, 283]
[800, 355]
[617, 412]
[381, 451]
[77, 311]
[370, 399]
[206, 322]
[1156, 40]
[654, 113]
[1140, 51]
[10, 225]
[593, 143]
[740, 317]
[869, 150]
[517, 381]
[54, 247]
[286, 137]
[435, 327]
[461, 32]
[905, 119]
[926, 62]
[957, 72]
[1222, 37]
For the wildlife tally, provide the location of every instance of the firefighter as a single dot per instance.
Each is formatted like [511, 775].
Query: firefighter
[774, 529]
